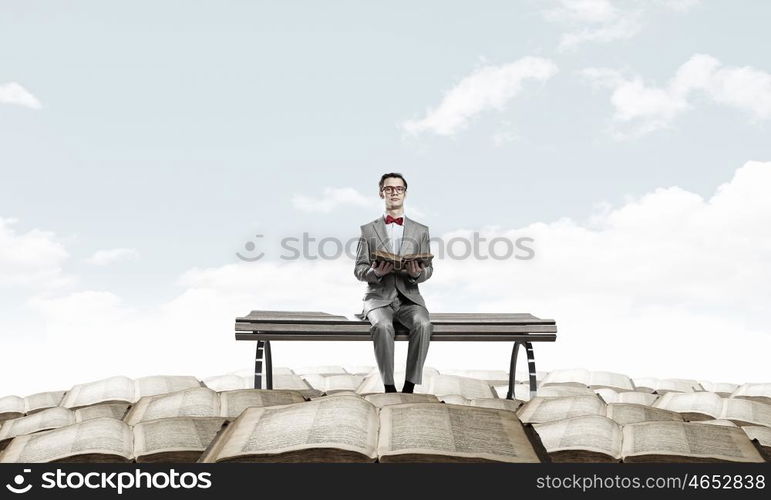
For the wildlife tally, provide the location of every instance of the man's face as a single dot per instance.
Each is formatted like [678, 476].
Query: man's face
[394, 199]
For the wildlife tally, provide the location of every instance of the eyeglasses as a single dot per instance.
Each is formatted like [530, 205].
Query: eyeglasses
[394, 189]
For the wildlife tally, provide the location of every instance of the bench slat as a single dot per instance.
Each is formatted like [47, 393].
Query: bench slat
[499, 337]
[362, 327]
[291, 316]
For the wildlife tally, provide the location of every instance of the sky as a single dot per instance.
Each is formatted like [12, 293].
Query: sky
[144, 145]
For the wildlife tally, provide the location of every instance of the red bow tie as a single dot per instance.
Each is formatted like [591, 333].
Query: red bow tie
[398, 220]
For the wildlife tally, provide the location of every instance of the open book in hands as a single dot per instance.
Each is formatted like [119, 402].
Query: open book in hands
[399, 261]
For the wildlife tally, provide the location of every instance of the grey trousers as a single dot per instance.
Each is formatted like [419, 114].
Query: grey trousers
[415, 318]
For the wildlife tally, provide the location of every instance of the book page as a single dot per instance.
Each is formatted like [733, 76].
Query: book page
[722, 388]
[630, 413]
[500, 404]
[467, 387]
[746, 411]
[759, 432]
[334, 382]
[101, 435]
[293, 382]
[678, 385]
[718, 421]
[759, 392]
[197, 402]
[51, 418]
[340, 422]
[607, 395]
[521, 391]
[574, 376]
[232, 403]
[372, 382]
[646, 384]
[448, 430]
[688, 439]
[610, 379]
[640, 398]
[109, 410]
[595, 433]
[109, 389]
[539, 410]
[13, 406]
[338, 393]
[394, 398]
[563, 390]
[42, 400]
[164, 384]
[175, 434]
[491, 377]
[229, 382]
[705, 403]
[320, 370]
[455, 399]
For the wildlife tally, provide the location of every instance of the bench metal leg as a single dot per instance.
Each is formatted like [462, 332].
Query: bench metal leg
[268, 366]
[530, 368]
[263, 347]
[258, 365]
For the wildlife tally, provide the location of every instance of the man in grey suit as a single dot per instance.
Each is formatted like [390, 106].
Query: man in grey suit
[391, 293]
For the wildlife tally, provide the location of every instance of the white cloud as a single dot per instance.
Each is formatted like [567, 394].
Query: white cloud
[641, 107]
[31, 259]
[13, 93]
[333, 198]
[605, 21]
[680, 5]
[654, 287]
[107, 257]
[486, 88]
[340, 198]
[624, 27]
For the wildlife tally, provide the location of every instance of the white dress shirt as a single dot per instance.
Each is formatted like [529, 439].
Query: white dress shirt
[395, 233]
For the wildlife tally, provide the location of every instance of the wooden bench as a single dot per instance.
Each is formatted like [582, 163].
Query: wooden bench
[521, 328]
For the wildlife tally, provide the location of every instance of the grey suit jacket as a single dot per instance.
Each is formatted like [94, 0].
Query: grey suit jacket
[381, 291]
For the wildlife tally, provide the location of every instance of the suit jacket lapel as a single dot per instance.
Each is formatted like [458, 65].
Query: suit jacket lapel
[409, 237]
[380, 230]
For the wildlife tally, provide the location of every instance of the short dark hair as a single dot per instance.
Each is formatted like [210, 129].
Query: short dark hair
[392, 174]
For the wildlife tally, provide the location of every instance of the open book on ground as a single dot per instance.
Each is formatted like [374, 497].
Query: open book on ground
[15, 406]
[490, 377]
[541, 410]
[124, 389]
[563, 390]
[400, 261]
[105, 439]
[587, 378]
[53, 418]
[762, 435]
[469, 388]
[373, 383]
[203, 402]
[596, 438]
[501, 404]
[724, 389]
[242, 379]
[396, 398]
[348, 428]
[613, 396]
[662, 385]
[333, 382]
[755, 392]
[708, 405]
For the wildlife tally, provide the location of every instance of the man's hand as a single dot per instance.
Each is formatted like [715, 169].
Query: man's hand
[382, 268]
[414, 269]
